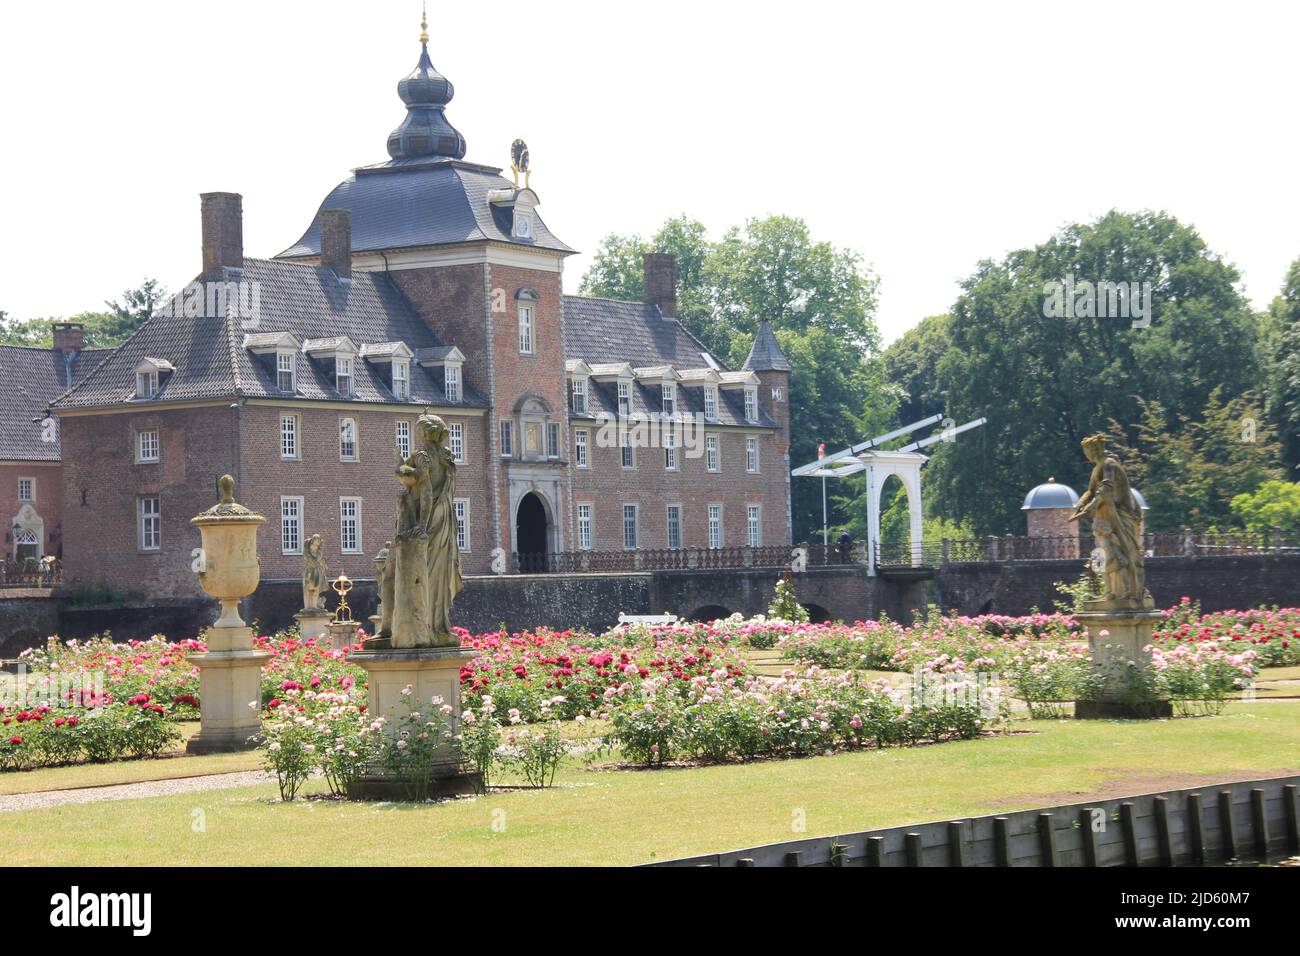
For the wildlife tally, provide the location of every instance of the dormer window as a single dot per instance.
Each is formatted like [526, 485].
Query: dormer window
[579, 401]
[401, 379]
[451, 382]
[523, 224]
[711, 402]
[624, 398]
[285, 371]
[669, 398]
[751, 404]
[343, 375]
[150, 375]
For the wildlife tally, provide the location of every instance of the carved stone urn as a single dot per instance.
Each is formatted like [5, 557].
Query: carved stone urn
[230, 671]
[228, 567]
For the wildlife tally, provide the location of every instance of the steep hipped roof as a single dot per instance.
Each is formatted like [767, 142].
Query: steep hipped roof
[312, 303]
[765, 354]
[602, 331]
[34, 377]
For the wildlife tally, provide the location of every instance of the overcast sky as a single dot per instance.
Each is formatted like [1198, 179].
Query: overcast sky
[925, 136]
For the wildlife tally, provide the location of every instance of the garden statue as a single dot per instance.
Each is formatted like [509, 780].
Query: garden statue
[1119, 623]
[422, 576]
[1116, 524]
[314, 578]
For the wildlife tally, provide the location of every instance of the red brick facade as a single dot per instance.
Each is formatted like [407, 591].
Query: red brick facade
[40, 514]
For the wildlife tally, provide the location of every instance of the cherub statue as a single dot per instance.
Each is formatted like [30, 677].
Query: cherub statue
[314, 578]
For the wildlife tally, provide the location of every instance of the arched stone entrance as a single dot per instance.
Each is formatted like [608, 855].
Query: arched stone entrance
[533, 533]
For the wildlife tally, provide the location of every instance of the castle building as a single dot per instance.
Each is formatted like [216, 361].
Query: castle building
[423, 283]
[31, 480]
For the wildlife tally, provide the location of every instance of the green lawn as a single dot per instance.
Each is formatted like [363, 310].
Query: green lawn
[627, 816]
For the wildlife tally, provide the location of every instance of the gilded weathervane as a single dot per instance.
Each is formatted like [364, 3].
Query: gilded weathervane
[519, 161]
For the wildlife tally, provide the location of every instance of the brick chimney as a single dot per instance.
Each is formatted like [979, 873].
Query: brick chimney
[661, 282]
[223, 232]
[69, 337]
[336, 241]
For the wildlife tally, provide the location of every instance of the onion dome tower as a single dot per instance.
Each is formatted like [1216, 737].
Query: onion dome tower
[425, 133]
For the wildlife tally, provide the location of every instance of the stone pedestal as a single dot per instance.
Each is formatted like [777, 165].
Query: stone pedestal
[343, 634]
[1119, 633]
[230, 680]
[429, 672]
[313, 623]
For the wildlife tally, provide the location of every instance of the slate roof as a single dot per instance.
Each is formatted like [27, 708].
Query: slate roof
[647, 399]
[414, 203]
[765, 354]
[32, 378]
[310, 302]
[601, 331]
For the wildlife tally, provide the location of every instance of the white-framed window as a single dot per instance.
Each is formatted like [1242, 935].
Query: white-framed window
[580, 439]
[461, 507]
[451, 382]
[579, 395]
[286, 371]
[26, 545]
[403, 436]
[624, 398]
[347, 439]
[751, 454]
[712, 457]
[710, 402]
[674, 526]
[401, 380]
[26, 489]
[146, 445]
[523, 225]
[288, 436]
[291, 525]
[525, 329]
[629, 527]
[669, 398]
[754, 526]
[715, 526]
[343, 375]
[456, 442]
[751, 403]
[584, 527]
[670, 451]
[146, 384]
[778, 393]
[627, 456]
[552, 439]
[350, 525]
[149, 521]
[507, 438]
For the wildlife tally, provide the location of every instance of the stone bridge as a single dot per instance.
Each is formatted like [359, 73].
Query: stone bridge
[593, 601]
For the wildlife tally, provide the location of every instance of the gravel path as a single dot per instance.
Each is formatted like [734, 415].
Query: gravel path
[132, 791]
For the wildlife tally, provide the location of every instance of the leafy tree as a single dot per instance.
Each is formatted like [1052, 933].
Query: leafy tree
[1284, 384]
[820, 301]
[1045, 383]
[911, 365]
[1190, 470]
[103, 329]
[1274, 506]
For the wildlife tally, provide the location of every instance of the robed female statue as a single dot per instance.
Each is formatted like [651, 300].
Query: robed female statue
[422, 575]
[1116, 525]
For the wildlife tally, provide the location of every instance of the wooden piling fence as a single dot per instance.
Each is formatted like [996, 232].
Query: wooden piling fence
[1257, 818]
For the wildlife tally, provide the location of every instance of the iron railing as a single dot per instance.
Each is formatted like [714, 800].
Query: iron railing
[16, 573]
[680, 559]
[1071, 547]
